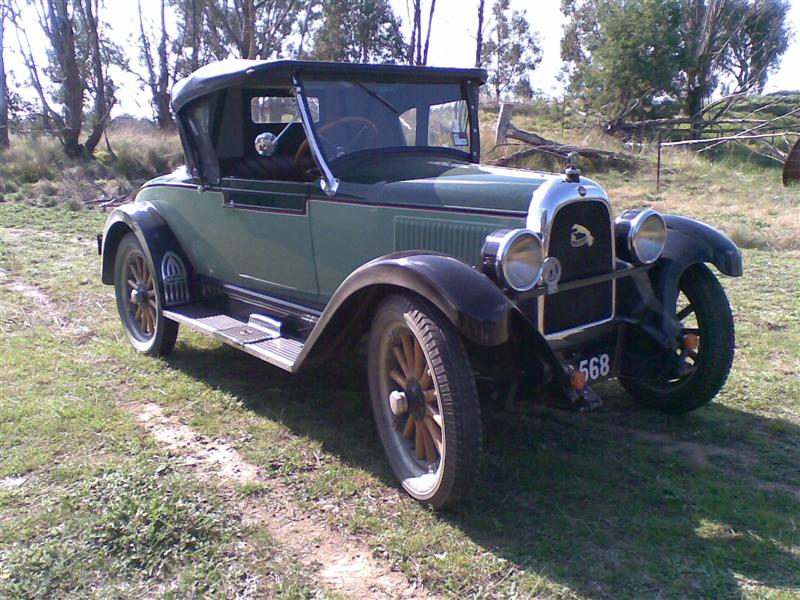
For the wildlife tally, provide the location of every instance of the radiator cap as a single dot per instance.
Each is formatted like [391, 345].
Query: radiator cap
[572, 171]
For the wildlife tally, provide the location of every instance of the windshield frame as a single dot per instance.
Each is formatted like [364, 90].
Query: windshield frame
[330, 183]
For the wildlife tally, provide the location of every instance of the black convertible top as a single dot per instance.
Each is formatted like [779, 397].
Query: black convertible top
[216, 76]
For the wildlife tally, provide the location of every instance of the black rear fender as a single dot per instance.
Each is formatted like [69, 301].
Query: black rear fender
[158, 243]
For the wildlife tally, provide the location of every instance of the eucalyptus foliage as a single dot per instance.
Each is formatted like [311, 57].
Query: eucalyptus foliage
[359, 31]
[633, 58]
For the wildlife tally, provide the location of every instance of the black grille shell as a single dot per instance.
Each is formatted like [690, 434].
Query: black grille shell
[590, 304]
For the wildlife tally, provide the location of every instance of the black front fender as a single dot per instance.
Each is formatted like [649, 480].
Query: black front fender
[650, 302]
[150, 228]
[690, 242]
[469, 299]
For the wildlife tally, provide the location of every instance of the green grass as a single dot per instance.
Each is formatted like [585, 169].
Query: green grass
[566, 506]
[89, 506]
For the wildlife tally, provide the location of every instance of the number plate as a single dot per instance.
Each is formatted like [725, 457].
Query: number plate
[595, 367]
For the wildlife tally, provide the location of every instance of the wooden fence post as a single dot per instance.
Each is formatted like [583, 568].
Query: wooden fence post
[503, 121]
[658, 166]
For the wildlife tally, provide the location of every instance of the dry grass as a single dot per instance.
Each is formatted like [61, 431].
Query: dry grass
[745, 199]
[35, 171]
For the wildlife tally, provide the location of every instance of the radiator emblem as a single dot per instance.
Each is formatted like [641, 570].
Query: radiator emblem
[581, 236]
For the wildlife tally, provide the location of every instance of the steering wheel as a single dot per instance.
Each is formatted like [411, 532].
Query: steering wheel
[367, 125]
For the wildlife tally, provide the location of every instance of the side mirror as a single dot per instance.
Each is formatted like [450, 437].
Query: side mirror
[266, 143]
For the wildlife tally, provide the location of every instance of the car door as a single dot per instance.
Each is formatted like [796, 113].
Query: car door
[248, 225]
[269, 235]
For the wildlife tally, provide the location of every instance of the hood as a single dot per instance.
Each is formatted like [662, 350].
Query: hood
[442, 183]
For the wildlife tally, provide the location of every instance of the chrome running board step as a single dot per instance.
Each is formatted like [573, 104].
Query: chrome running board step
[260, 337]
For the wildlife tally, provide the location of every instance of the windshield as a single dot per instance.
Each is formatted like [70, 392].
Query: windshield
[356, 116]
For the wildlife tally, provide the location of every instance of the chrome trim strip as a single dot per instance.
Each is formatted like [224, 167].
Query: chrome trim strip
[329, 184]
[546, 201]
[252, 297]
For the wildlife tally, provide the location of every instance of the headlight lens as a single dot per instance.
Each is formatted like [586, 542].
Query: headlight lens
[514, 257]
[644, 233]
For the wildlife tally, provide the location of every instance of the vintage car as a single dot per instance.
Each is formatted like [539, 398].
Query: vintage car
[324, 202]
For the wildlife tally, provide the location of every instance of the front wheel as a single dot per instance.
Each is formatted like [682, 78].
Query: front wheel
[138, 301]
[703, 311]
[424, 400]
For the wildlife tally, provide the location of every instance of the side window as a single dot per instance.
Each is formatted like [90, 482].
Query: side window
[448, 126]
[279, 109]
[198, 117]
[408, 123]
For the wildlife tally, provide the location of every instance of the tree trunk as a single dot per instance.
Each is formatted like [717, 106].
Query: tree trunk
[497, 88]
[248, 48]
[163, 112]
[102, 104]
[3, 85]
[503, 122]
[418, 27]
[194, 62]
[62, 38]
[304, 30]
[479, 36]
[412, 46]
[694, 106]
[428, 34]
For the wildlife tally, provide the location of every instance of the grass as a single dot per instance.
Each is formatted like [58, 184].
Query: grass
[742, 196]
[621, 504]
[35, 171]
[89, 507]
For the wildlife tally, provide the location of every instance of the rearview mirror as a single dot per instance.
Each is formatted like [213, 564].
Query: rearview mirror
[266, 143]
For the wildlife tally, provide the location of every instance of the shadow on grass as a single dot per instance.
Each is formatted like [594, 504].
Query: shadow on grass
[582, 504]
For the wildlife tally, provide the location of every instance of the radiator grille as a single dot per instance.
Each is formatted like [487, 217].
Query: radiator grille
[582, 306]
[461, 240]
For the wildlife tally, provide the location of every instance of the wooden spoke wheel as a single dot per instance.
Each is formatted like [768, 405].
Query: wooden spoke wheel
[415, 400]
[138, 301]
[705, 344]
[424, 400]
[142, 295]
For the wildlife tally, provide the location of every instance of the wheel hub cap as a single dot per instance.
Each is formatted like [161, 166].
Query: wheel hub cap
[415, 399]
[139, 295]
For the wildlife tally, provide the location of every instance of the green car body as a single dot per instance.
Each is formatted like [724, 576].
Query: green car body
[321, 202]
[315, 243]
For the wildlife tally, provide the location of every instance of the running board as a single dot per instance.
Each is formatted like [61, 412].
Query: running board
[260, 337]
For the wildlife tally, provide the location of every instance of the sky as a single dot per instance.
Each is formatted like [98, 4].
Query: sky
[452, 43]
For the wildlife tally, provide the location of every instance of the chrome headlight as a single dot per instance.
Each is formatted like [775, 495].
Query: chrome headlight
[513, 258]
[641, 235]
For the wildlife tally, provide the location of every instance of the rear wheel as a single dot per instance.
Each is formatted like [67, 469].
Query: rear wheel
[424, 400]
[703, 311]
[138, 301]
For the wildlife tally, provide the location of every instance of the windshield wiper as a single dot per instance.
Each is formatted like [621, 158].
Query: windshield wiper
[377, 96]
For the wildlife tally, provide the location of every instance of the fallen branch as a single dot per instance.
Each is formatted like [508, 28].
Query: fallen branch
[541, 145]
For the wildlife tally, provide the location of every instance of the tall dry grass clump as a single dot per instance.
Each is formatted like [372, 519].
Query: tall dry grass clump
[140, 154]
[32, 159]
[35, 170]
